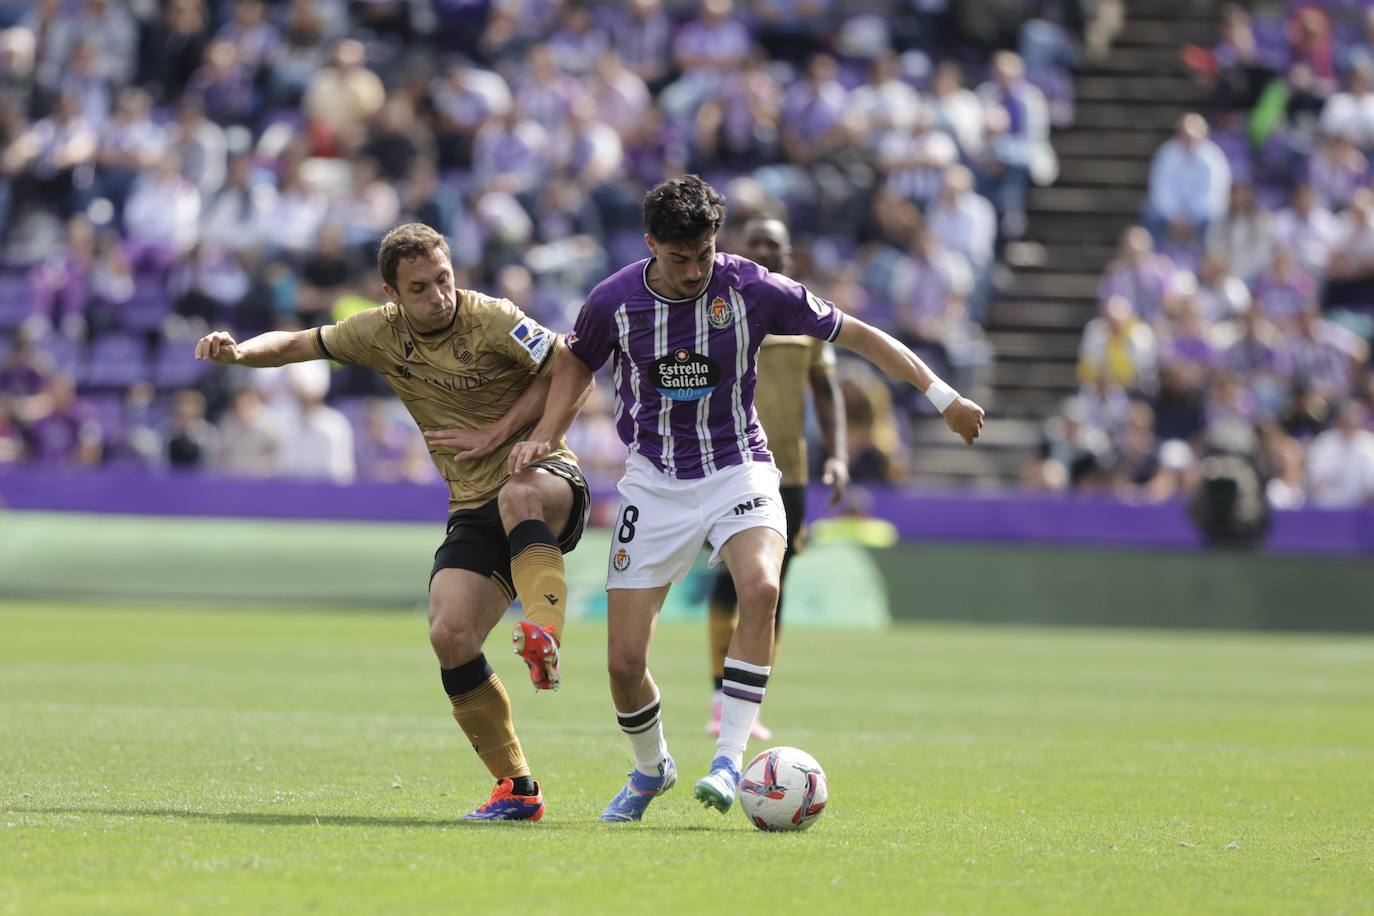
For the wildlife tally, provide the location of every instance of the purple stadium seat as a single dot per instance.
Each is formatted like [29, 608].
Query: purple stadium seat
[149, 306]
[116, 361]
[17, 297]
[65, 353]
[176, 365]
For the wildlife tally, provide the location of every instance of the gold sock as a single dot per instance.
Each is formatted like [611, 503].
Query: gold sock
[484, 716]
[720, 621]
[536, 565]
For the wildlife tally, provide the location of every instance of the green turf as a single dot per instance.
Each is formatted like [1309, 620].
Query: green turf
[242, 760]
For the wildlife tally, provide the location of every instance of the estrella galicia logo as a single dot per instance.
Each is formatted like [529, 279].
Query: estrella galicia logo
[684, 375]
[720, 314]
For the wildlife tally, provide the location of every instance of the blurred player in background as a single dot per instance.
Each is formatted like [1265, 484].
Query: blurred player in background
[787, 367]
[474, 373]
[684, 327]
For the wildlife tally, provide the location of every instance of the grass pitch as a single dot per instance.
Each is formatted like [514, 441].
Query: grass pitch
[168, 761]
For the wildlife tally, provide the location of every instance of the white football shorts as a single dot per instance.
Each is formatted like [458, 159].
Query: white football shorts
[663, 522]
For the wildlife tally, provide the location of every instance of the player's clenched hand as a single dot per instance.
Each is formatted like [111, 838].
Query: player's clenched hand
[836, 476]
[219, 347]
[526, 453]
[466, 443]
[965, 418]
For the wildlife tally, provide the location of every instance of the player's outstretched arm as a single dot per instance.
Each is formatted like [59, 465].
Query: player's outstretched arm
[897, 361]
[478, 443]
[825, 391]
[275, 348]
[569, 385]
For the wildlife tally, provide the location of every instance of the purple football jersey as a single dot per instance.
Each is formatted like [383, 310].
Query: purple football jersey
[685, 368]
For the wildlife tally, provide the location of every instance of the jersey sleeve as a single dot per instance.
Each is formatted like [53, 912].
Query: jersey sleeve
[593, 337]
[524, 341]
[351, 340]
[790, 308]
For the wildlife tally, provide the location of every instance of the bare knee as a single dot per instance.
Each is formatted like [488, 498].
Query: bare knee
[758, 597]
[455, 639]
[627, 669]
[518, 501]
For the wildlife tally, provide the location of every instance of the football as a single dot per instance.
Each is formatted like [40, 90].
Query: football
[783, 789]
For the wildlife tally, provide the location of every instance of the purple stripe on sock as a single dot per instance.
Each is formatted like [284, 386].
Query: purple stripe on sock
[742, 693]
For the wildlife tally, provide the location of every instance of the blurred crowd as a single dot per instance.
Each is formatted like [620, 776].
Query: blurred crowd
[171, 165]
[1235, 320]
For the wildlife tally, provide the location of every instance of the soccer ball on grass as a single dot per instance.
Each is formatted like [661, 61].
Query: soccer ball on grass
[783, 789]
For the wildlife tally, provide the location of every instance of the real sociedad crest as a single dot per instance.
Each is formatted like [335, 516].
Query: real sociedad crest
[720, 314]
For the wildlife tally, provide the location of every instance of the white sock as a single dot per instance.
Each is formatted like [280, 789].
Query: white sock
[644, 728]
[745, 685]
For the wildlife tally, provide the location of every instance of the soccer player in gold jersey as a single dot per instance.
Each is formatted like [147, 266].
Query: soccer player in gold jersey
[788, 367]
[473, 372]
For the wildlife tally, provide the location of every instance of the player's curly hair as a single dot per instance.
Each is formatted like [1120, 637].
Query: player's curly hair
[408, 240]
[683, 209]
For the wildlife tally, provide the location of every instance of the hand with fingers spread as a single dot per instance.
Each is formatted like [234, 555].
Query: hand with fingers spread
[965, 418]
[218, 347]
[525, 454]
[836, 476]
[465, 443]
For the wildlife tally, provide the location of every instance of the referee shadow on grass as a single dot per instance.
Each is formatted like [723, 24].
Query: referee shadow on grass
[264, 819]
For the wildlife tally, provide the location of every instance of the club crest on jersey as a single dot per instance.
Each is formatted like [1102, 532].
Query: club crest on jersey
[684, 376]
[534, 339]
[461, 351]
[621, 560]
[720, 313]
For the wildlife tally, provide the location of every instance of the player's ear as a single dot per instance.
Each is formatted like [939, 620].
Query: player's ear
[391, 293]
[652, 243]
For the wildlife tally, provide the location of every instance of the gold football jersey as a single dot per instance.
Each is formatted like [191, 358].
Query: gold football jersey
[467, 376]
[784, 376]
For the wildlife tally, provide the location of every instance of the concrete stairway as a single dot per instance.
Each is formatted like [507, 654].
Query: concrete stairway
[1127, 106]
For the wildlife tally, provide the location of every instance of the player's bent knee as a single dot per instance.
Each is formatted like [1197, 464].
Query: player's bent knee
[455, 642]
[519, 500]
[759, 596]
[627, 669]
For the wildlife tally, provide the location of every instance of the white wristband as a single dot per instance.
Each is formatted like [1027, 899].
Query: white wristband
[941, 395]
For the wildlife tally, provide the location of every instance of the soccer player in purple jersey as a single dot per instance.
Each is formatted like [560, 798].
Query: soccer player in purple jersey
[683, 328]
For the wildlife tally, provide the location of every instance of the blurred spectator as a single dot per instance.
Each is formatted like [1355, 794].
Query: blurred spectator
[53, 161]
[1138, 274]
[1220, 294]
[106, 27]
[578, 43]
[1244, 237]
[301, 52]
[162, 218]
[964, 221]
[191, 440]
[1018, 140]
[1336, 171]
[1257, 353]
[324, 274]
[173, 47]
[707, 50]
[1283, 290]
[465, 99]
[129, 144]
[1307, 229]
[510, 153]
[814, 116]
[11, 438]
[1118, 346]
[1326, 355]
[367, 209]
[62, 431]
[201, 146]
[958, 110]
[341, 97]
[875, 449]
[643, 37]
[224, 84]
[1190, 179]
[388, 448]
[235, 216]
[888, 103]
[1351, 113]
[318, 444]
[250, 443]
[1340, 462]
[915, 162]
